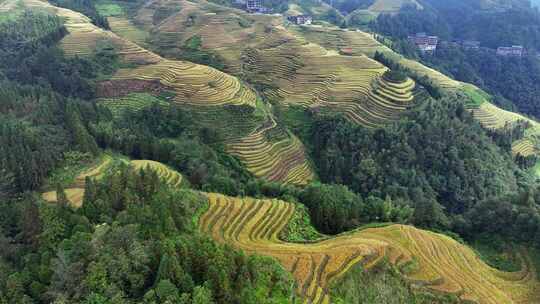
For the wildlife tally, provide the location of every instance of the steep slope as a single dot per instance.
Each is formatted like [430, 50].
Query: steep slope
[438, 263]
[287, 68]
[199, 88]
[490, 116]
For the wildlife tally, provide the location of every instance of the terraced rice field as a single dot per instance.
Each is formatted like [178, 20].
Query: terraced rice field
[273, 154]
[133, 103]
[524, 147]
[490, 116]
[441, 264]
[169, 176]
[84, 37]
[193, 84]
[124, 28]
[295, 70]
[308, 75]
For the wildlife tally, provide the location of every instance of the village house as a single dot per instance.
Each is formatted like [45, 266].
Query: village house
[301, 19]
[255, 6]
[425, 43]
[511, 51]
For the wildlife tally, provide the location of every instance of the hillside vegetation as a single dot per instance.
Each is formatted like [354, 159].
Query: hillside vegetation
[182, 156]
[187, 83]
[428, 260]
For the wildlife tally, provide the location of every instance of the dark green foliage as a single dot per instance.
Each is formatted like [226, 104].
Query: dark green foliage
[169, 135]
[382, 284]
[426, 161]
[395, 76]
[28, 55]
[192, 51]
[132, 242]
[497, 253]
[513, 81]
[86, 7]
[38, 121]
[349, 6]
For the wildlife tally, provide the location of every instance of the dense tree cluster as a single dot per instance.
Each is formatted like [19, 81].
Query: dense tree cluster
[134, 241]
[39, 109]
[86, 7]
[426, 160]
[349, 6]
[513, 81]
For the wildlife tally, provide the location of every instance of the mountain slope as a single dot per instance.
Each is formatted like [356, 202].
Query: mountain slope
[200, 88]
[285, 67]
[436, 262]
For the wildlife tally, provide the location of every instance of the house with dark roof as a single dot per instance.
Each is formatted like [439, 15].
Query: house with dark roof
[425, 43]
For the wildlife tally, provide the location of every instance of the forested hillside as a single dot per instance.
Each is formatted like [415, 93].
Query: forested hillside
[189, 152]
[513, 81]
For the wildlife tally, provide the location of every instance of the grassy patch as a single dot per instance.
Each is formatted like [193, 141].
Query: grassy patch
[477, 96]
[534, 254]
[297, 119]
[381, 284]
[74, 163]
[536, 169]
[299, 228]
[109, 9]
[497, 254]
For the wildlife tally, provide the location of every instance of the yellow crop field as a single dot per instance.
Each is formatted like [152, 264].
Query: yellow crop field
[282, 160]
[361, 44]
[84, 37]
[193, 84]
[297, 71]
[441, 264]
[169, 176]
[524, 147]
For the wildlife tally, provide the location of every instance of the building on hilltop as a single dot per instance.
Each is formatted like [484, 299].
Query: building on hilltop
[255, 6]
[301, 19]
[511, 51]
[425, 43]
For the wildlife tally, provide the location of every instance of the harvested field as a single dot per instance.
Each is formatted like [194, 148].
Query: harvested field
[441, 263]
